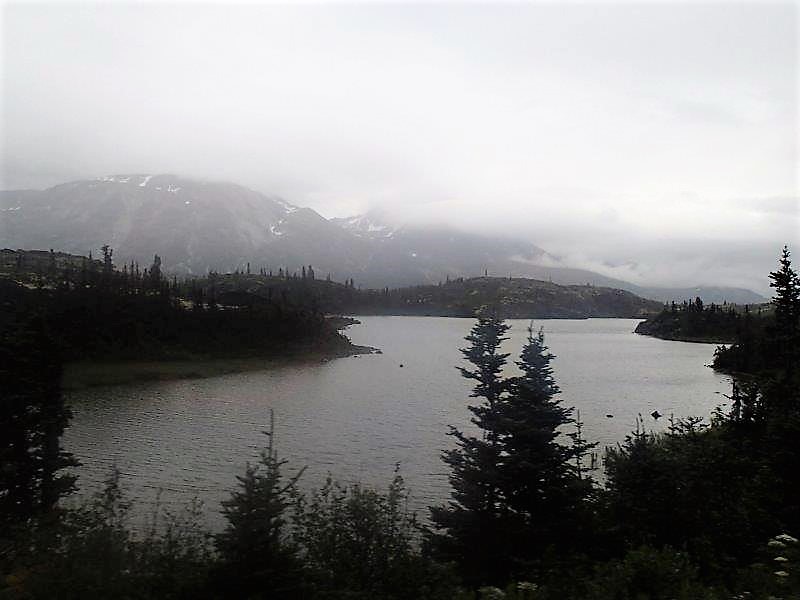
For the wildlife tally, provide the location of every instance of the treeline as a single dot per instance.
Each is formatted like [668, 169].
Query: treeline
[514, 298]
[92, 310]
[771, 349]
[307, 290]
[703, 511]
[697, 322]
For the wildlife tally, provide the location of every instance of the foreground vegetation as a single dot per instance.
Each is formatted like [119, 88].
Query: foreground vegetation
[705, 510]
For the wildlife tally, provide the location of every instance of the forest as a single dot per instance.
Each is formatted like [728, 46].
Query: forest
[706, 510]
[696, 322]
[92, 310]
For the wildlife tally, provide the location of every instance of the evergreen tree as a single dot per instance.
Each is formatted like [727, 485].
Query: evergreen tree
[470, 529]
[518, 492]
[32, 420]
[108, 263]
[257, 561]
[155, 273]
[541, 475]
[787, 312]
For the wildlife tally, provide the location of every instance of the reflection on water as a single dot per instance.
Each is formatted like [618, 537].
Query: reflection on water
[357, 417]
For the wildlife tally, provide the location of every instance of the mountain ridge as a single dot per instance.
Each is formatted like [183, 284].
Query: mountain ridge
[199, 226]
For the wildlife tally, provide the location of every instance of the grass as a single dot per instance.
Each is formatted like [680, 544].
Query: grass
[85, 374]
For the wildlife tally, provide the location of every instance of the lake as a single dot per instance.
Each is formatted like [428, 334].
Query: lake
[358, 417]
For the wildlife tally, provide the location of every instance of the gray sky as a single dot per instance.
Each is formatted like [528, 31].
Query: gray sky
[654, 142]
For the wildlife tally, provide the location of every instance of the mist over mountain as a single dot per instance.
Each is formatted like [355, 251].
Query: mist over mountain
[197, 226]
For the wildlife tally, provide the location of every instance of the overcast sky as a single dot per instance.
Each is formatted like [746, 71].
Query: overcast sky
[653, 142]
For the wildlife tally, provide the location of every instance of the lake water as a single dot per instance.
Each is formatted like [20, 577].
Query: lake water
[357, 417]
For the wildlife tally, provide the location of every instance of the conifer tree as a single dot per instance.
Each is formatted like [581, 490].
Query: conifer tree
[155, 274]
[257, 560]
[32, 420]
[787, 311]
[470, 528]
[540, 474]
[518, 492]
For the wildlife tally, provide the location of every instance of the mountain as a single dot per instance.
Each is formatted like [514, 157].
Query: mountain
[709, 294]
[195, 226]
[198, 226]
[443, 252]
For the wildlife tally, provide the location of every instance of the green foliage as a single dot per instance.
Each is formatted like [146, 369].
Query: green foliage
[718, 491]
[775, 573]
[32, 419]
[92, 553]
[101, 313]
[256, 560]
[519, 497]
[786, 333]
[648, 574]
[471, 529]
[774, 348]
[360, 543]
[696, 322]
[544, 489]
[700, 488]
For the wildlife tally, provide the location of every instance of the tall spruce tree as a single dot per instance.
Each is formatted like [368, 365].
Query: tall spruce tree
[470, 528]
[33, 417]
[541, 476]
[256, 559]
[786, 331]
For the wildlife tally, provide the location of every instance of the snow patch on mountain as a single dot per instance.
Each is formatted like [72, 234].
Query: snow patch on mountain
[366, 225]
[289, 208]
[275, 229]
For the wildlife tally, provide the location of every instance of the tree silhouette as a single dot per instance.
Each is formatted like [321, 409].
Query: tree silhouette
[541, 476]
[32, 419]
[470, 529]
[257, 561]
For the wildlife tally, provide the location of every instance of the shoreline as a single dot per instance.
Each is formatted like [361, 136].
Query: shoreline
[688, 339]
[82, 375]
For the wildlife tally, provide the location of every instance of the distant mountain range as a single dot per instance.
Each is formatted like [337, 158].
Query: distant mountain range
[197, 226]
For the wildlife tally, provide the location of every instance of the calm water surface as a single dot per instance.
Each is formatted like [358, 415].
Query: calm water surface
[357, 417]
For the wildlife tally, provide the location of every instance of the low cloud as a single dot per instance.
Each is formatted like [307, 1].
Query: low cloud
[644, 141]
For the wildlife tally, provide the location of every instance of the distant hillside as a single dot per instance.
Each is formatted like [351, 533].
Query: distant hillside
[201, 226]
[522, 299]
[516, 298]
[707, 294]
